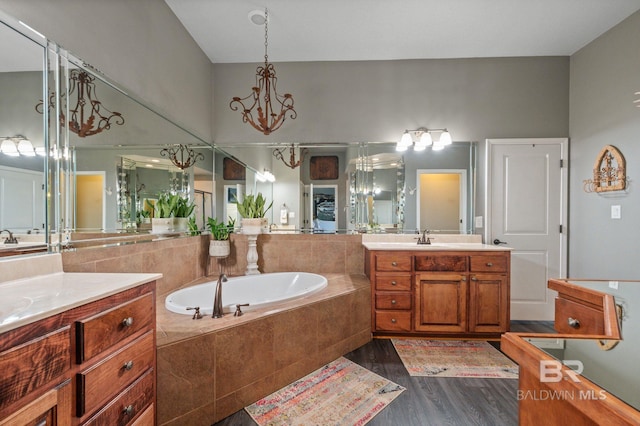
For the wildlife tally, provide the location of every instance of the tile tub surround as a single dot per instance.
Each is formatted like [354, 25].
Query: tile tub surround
[211, 368]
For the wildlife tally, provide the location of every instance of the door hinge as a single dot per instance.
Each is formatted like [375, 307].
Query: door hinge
[561, 163]
[561, 229]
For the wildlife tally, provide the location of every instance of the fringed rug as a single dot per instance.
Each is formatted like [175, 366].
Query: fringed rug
[340, 393]
[446, 358]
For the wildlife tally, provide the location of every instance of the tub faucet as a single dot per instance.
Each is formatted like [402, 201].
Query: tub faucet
[217, 297]
[11, 239]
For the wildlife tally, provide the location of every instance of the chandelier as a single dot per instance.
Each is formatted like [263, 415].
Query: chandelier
[423, 139]
[292, 164]
[182, 156]
[87, 116]
[264, 109]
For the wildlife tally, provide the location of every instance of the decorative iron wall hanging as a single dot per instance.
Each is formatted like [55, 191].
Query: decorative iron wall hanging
[609, 172]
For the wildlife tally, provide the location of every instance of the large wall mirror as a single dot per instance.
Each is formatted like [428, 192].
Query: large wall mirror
[375, 189]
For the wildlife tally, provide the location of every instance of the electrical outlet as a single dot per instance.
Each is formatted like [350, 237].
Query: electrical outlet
[615, 212]
[613, 285]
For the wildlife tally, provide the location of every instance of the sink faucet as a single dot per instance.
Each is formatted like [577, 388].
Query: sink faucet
[217, 298]
[425, 239]
[11, 239]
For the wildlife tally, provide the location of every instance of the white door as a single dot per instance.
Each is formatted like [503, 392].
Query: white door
[527, 211]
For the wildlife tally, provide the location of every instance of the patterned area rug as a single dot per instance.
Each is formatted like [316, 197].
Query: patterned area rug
[340, 393]
[446, 358]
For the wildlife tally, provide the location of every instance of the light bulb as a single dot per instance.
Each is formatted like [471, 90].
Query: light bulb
[25, 148]
[424, 141]
[9, 148]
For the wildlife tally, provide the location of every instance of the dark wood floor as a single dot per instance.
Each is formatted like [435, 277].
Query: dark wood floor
[434, 401]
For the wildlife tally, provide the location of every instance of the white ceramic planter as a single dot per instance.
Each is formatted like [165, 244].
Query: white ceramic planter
[219, 248]
[253, 226]
[169, 225]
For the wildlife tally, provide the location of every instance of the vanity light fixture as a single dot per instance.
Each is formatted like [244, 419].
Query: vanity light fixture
[265, 176]
[292, 164]
[181, 156]
[421, 138]
[270, 107]
[16, 146]
[87, 115]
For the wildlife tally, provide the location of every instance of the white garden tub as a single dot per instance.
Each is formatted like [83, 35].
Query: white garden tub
[258, 291]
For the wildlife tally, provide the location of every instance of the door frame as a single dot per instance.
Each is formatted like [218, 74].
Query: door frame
[564, 188]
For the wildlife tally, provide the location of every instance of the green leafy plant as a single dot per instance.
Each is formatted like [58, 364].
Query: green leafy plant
[219, 230]
[173, 205]
[253, 207]
[193, 226]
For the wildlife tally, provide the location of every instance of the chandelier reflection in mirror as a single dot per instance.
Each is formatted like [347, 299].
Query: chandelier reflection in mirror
[264, 109]
[421, 138]
[87, 115]
[181, 156]
[293, 163]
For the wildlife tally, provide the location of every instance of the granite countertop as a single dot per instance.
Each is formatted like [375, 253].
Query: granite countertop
[46, 291]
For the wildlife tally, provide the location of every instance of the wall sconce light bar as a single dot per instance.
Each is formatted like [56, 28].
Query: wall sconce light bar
[421, 138]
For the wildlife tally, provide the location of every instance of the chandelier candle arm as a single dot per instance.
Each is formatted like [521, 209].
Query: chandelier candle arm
[292, 164]
[182, 156]
[271, 108]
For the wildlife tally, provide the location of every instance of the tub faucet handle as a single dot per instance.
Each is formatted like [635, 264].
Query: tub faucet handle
[197, 314]
[238, 311]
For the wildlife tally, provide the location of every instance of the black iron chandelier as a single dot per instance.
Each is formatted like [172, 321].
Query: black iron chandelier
[264, 109]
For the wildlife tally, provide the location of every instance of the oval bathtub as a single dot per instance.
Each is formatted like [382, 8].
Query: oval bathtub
[257, 290]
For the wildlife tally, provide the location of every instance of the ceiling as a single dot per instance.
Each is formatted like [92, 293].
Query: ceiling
[344, 30]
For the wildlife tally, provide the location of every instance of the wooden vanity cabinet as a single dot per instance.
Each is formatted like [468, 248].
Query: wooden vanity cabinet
[439, 292]
[91, 365]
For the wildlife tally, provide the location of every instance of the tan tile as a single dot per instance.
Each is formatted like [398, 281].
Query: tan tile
[247, 395]
[202, 416]
[294, 335]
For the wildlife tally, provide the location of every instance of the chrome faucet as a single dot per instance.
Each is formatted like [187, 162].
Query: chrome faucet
[217, 298]
[11, 239]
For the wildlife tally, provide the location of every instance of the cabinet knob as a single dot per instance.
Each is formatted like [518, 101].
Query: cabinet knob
[489, 264]
[394, 263]
[463, 278]
[474, 279]
[393, 320]
[128, 410]
[127, 322]
[393, 301]
[394, 283]
[573, 322]
[127, 365]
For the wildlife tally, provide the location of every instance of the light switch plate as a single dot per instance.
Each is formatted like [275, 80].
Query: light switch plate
[615, 212]
[478, 221]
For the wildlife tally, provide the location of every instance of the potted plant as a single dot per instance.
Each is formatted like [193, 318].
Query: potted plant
[252, 209]
[143, 219]
[171, 212]
[219, 245]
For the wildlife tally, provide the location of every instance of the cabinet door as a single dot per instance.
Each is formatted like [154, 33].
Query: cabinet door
[441, 302]
[488, 303]
[53, 408]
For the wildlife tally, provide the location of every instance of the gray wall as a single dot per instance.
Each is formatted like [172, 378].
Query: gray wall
[604, 77]
[376, 101]
[140, 44]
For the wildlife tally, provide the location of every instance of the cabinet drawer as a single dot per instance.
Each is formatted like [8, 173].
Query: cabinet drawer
[393, 262]
[393, 301]
[442, 263]
[101, 331]
[106, 378]
[589, 320]
[393, 321]
[26, 367]
[393, 282]
[127, 405]
[147, 418]
[488, 263]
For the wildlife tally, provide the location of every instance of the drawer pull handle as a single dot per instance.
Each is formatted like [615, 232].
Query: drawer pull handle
[394, 283]
[127, 322]
[393, 301]
[393, 320]
[128, 365]
[474, 279]
[394, 263]
[463, 278]
[489, 264]
[573, 322]
[128, 410]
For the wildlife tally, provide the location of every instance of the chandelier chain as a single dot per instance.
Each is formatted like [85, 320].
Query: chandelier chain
[266, 35]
